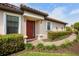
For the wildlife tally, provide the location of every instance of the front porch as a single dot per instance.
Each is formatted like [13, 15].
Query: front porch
[33, 28]
[34, 25]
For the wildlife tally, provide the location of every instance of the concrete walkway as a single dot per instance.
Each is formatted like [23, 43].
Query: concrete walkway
[57, 43]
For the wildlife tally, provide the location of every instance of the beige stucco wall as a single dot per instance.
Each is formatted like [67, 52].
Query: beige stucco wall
[43, 28]
[42, 33]
[1, 22]
[60, 27]
[23, 25]
[36, 28]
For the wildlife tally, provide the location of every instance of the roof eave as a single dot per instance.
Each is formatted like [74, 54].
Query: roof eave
[51, 19]
[23, 7]
[9, 9]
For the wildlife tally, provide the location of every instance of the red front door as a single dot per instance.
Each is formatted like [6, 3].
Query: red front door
[30, 29]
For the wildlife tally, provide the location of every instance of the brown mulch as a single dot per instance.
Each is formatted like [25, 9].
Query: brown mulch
[72, 49]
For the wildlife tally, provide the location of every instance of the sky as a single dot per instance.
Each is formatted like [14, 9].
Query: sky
[67, 12]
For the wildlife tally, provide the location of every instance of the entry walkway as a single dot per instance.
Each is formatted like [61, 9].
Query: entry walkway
[71, 38]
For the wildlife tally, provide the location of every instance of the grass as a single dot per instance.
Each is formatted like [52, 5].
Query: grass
[45, 54]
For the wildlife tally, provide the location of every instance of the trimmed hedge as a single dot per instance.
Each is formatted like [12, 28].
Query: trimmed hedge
[54, 35]
[11, 43]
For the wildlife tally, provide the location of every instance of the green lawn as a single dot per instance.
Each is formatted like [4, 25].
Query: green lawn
[44, 54]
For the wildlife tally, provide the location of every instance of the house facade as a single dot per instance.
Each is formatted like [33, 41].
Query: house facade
[27, 21]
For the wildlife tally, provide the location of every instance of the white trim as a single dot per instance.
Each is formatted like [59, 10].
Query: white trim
[19, 30]
[29, 14]
[4, 23]
[12, 14]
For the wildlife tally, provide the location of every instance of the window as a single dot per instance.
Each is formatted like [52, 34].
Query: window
[56, 27]
[12, 24]
[48, 26]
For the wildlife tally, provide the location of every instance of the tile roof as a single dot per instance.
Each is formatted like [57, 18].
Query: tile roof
[10, 8]
[55, 20]
[20, 10]
[23, 7]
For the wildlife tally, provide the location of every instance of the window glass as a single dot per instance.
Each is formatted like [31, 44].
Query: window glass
[56, 27]
[48, 26]
[12, 24]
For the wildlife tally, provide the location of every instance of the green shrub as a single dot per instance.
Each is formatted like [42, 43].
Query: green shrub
[11, 43]
[66, 44]
[40, 46]
[51, 47]
[54, 47]
[48, 47]
[76, 32]
[63, 46]
[77, 38]
[54, 35]
[68, 28]
[29, 46]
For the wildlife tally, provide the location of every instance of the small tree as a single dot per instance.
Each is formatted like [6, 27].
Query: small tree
[76, 26]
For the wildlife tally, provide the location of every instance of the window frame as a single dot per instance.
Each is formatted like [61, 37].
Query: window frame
[5, 22]
[47, 26]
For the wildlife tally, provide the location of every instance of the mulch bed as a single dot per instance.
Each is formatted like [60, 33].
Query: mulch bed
[72, 49]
